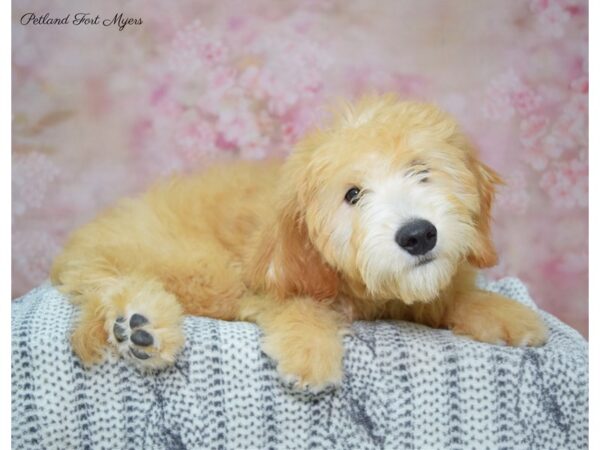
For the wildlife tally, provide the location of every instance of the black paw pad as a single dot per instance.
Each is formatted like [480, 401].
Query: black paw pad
[139, 354]
[119, 333]
[129, 331]
[142, 338]
[137, 320]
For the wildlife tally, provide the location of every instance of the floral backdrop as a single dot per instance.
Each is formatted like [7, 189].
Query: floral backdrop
[99, 112]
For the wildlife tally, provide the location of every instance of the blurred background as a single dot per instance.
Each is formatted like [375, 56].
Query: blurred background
[99, 112]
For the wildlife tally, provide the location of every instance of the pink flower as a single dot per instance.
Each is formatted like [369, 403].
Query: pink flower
[284, 82]
[567, 184]
[569, 132]
[194, 47]
[498, 102]
[514, 197]
[237, 126]
[507, 94]
[533, 128]
[297, 122]
[221, 79]
[221, 84]
[254, 151]
[552, 16]
[573, 119]
[525, 100]
[195, 138]
[250, 100]
[555, 144]
[249, 78]
[535, 155]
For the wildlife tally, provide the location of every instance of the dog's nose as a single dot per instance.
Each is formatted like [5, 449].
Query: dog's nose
[417, 237]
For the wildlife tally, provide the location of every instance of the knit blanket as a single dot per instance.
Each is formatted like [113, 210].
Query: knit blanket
[406, 386]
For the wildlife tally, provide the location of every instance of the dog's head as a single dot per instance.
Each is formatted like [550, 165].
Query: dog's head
[391, 198]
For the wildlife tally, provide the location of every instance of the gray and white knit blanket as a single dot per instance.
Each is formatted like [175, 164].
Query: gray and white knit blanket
[406, 386]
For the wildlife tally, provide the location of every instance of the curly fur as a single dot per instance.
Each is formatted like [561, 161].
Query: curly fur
[276, 243]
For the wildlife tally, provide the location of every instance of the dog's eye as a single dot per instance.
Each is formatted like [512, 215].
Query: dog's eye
[352, 195]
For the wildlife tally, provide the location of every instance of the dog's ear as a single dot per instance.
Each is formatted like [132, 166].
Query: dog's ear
[483, 255]
[287, 263]
[296, 266]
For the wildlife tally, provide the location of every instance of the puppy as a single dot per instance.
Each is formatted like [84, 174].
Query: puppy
[385, 214]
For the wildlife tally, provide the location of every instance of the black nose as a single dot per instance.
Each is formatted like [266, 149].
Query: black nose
[417, 237]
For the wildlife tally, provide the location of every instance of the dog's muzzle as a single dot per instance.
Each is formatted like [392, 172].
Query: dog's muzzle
[417, 237]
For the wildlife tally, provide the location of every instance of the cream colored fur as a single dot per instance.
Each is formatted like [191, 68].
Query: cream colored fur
[275, 243]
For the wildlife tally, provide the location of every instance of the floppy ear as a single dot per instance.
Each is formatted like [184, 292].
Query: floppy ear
[484, 254]
[287, 262]
[296, 266]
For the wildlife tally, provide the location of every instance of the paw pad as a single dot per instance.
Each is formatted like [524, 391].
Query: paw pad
[142, 338]
[139, 354]
[119, 332]
[137, 320]
[136, 336]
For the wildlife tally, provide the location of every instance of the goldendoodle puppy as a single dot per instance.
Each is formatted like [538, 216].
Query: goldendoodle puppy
[383, 215]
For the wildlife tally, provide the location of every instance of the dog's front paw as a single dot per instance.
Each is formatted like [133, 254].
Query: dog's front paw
[307, 363]
[491, 318]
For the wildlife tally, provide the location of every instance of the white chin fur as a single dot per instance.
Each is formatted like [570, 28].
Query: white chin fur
[411, 284]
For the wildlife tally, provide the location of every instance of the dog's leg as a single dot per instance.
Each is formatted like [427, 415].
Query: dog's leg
[132, 313]
[492, 318]
[89, 338]
[303, 336]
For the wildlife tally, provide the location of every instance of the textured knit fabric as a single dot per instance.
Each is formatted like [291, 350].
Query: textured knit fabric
[406, 386]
